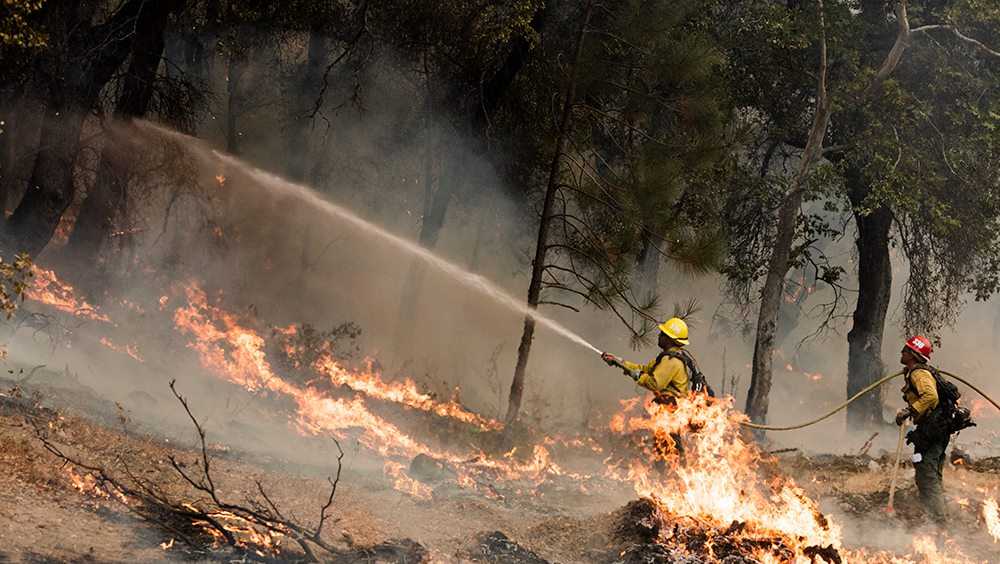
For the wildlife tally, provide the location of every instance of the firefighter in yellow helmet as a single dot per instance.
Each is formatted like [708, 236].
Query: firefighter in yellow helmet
[672, 374]
[666, 375]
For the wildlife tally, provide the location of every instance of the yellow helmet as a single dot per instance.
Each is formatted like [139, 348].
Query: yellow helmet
[676, 329]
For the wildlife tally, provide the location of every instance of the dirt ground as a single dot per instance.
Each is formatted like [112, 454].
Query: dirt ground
[44, 518]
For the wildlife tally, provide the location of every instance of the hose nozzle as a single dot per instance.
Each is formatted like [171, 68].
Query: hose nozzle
[611, 359]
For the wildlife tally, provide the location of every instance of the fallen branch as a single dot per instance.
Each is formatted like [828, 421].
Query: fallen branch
[200, 524]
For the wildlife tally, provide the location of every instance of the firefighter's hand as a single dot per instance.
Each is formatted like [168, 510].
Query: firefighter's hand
[611, 359]
[902, 415]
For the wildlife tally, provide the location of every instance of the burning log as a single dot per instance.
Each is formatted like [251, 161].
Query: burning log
[651, 536]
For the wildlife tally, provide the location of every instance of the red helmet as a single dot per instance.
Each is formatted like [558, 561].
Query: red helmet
[921, 346]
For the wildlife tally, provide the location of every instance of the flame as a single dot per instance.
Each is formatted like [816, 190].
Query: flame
[167, 545]
[405, 392]
[89, 485]
[220, 179]
[406, 484]
[814, 376]
[263, 542]
[719, 484]
[236, 353]
[981, 409]
[49, 290]
[65, 226]
[129, 349]
[991, 515]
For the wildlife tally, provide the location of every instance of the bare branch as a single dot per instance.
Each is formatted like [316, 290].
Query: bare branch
[979, 45]
[896, 53]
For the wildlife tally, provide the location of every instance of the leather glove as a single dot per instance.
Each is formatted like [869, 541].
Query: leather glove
[611, 359]
[903, 414]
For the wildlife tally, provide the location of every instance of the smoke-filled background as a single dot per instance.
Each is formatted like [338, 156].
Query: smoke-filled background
[205, 179]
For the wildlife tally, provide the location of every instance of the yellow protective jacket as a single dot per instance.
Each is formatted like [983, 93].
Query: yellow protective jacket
[664, 375]
[920, 392]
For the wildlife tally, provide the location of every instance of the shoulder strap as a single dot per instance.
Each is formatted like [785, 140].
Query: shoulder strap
[659, 359]
[683, 356]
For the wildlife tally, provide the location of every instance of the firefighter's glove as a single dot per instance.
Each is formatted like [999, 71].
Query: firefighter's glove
[903, 414]
[611, 359]
[633, 374]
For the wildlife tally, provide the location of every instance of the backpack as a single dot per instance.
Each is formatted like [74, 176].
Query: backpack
[952, 416]
[697, 383]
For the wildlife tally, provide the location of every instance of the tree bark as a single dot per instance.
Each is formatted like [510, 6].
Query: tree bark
[75, 85]
[491, 94]
[309, 86]
[106, 197]
[235, 67]
[864, 361]
[647, 271]
[541, 246]
[767, 318]
[774, 283]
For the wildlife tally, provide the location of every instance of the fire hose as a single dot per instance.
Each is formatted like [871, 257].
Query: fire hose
[615, 361]
[857, 396]
[871, 387]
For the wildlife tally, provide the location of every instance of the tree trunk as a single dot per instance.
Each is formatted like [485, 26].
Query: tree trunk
[75, 83]
[647, 271]
[51, 187]
[770, 303]
[864, 360]
[771, 294]
[301, 119]
[235, 67]
[7, 154]
[541, 246]
[106, 197]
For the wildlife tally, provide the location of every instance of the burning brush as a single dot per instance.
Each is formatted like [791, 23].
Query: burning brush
[714, 505]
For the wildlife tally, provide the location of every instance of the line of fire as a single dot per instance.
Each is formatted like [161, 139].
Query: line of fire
[614, 282]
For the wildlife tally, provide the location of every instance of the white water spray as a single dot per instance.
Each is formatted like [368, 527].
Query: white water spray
[466, 278]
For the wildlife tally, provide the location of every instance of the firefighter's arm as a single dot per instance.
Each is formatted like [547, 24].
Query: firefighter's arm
[643, 368]
[670, 370]
[927, 398]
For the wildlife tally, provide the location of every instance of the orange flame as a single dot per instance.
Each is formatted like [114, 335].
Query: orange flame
[405, 483]
[404, 392]
[49, 290]
[129, 349]
[237, 354]
[89, 485]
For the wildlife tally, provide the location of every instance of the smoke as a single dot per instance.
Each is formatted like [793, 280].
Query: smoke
[265, 252]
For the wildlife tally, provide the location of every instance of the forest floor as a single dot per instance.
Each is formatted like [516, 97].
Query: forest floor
[44, 517]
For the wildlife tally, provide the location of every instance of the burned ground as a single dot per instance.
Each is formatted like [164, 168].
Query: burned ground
[50, 514]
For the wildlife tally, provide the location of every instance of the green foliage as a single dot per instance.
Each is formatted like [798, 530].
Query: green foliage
[924, 145]
[16, 28]
[650, 137]
[14, 280]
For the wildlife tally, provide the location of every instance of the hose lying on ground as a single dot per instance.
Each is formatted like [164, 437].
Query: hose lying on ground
[855, 397]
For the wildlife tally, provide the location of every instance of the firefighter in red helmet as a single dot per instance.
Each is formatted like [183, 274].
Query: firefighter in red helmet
[930, 437]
